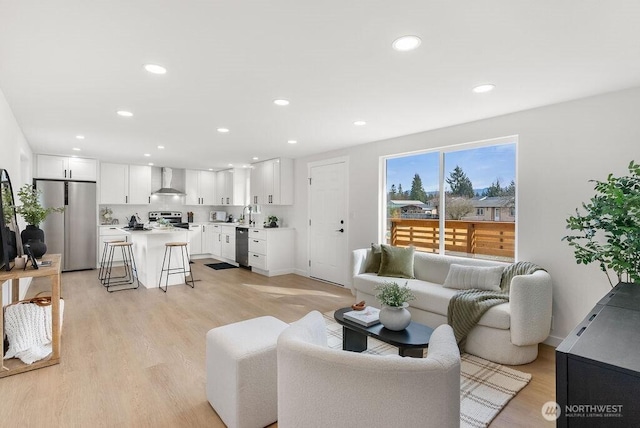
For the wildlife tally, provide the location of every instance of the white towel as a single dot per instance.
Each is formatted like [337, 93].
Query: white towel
[28, 328]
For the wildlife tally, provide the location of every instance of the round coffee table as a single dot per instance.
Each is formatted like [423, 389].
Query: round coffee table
[411, 341]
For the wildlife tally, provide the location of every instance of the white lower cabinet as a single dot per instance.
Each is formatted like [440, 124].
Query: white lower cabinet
[271, 251]
[195, 239]
[228, 241]
[214, 237]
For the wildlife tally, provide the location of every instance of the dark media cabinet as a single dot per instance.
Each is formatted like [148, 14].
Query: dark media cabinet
[599, 362]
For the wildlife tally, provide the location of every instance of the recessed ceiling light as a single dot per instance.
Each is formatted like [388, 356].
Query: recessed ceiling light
[150, 164]
[281, 102]
[210, 169]
[255, 158]
[76, 149]
[223, 130]
[74, 156]
[155, 69]
[230, 164]
[406, 43]
[484, 88]
[124, 113]
[160, 147]
[80, 137]
[359, 123]
[292, 142]
[147, 155]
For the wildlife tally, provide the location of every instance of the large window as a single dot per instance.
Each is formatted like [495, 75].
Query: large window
[458, 201]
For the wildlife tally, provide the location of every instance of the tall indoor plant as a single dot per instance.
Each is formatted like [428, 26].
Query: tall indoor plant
[609, 231]
[33, 213]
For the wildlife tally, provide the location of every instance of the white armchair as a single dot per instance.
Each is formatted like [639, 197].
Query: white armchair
[319, 386]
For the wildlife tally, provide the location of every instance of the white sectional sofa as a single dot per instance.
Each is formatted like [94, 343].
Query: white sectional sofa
[508, 333]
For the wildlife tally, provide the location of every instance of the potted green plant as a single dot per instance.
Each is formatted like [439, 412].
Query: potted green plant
[33, 213]
[394, 314]
[272, 221]
[609, 231]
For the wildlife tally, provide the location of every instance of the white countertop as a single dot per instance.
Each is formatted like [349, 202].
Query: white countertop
[153, 231]
[177, 229]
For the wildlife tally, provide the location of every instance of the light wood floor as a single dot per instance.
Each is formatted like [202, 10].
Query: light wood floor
[136, 358]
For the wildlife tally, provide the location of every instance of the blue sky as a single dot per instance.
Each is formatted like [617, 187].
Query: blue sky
[482, 165]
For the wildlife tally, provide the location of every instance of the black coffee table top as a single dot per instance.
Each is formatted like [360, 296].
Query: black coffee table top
[416, 335]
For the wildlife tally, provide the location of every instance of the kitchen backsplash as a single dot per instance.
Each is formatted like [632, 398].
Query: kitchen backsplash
[200, 213]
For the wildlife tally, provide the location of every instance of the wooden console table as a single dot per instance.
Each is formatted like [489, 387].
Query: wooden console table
[14, 275]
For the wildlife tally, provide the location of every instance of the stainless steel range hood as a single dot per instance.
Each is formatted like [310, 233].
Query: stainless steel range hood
[166, 189]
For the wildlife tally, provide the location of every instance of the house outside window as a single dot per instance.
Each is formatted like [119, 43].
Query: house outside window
[441, 190]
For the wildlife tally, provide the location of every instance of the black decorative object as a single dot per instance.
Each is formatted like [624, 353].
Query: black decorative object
[598, 364]
[34, 236]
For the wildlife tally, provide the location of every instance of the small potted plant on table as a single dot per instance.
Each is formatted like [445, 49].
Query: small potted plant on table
[394, 314]
[33, 213]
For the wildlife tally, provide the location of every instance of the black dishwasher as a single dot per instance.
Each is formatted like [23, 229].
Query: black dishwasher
[242, 246]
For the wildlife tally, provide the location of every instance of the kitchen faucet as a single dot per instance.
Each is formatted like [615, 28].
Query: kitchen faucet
[251, 211]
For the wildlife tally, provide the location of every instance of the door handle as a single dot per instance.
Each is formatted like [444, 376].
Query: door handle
[340, 230]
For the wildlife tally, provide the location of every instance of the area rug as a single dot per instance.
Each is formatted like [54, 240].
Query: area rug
[220, 266]
[485, 387]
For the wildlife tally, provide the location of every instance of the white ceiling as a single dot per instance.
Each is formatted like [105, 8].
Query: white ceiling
[66, 66]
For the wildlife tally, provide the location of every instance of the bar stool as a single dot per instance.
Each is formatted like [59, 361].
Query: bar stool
[103, 260]
[168, 248]
[129, 264]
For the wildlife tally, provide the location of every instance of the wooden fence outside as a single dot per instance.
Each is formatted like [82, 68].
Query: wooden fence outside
[490, 238]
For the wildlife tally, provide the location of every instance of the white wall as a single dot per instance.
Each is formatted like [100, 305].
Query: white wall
[560, 148]
[16, 158]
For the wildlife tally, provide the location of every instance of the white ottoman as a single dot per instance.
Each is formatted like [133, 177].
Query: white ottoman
[241, 372]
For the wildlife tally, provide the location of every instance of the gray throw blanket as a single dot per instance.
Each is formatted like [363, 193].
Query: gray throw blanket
[466, 307]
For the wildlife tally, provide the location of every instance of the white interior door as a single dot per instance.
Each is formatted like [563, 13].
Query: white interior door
[328, 250]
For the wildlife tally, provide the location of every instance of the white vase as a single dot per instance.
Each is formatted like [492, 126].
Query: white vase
[395, 317]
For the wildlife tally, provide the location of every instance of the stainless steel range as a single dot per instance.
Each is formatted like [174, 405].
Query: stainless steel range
[174, 217]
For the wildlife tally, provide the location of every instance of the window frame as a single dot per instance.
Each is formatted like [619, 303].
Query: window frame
[442, 150]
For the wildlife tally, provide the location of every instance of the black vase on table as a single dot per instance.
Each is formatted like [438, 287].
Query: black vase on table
[34, 236]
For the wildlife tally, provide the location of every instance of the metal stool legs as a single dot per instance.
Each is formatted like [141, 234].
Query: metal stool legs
[104, 259]
[185, 269]
[130, 274]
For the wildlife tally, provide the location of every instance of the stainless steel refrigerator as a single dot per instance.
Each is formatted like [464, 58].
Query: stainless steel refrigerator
[71, 233]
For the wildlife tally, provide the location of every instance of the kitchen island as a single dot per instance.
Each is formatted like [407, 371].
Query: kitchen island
[148, 250]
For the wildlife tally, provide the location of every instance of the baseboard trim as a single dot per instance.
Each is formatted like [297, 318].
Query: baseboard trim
[553, 341]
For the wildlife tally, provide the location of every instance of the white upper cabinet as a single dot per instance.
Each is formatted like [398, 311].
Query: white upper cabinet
[61, 167]
[231, 188]
[272, 182]
[200, 187]
[125, 184]
[139, 184]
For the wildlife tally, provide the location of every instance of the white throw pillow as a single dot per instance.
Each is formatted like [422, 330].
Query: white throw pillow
[466, 277]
